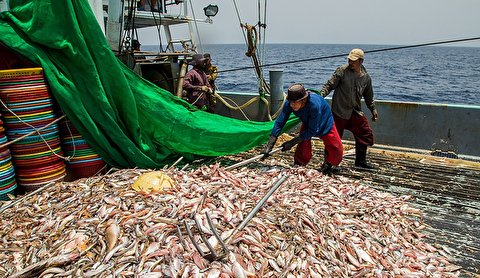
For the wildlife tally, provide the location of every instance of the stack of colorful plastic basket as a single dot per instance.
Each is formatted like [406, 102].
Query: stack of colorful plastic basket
[7, 172]
[28, 107]
[84, 162]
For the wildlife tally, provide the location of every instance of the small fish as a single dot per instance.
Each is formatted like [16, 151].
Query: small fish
[112, 233]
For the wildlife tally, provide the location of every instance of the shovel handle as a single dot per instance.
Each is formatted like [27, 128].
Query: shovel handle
[259, 205]
[241, 163]
[262, 202]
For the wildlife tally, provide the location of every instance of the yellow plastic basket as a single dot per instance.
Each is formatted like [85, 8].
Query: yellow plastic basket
[20, 72]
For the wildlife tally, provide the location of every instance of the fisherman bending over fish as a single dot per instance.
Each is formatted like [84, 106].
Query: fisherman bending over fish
[317, 120]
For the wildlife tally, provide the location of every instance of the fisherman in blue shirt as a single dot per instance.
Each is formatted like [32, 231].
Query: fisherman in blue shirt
[317, 120]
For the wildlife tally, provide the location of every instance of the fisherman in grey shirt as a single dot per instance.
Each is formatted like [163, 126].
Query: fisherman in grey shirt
[350, 83]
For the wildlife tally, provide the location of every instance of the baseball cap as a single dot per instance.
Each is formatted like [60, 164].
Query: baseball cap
[356, 54]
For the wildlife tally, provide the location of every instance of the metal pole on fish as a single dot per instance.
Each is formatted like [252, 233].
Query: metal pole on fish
[241, 163]
[212, 254]
[259, 205]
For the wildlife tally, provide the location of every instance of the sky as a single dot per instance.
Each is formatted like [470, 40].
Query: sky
[385, 22]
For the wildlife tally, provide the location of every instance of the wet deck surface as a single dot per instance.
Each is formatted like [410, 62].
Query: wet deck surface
[446, 190]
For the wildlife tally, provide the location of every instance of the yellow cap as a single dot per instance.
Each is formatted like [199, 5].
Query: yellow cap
[356, 54]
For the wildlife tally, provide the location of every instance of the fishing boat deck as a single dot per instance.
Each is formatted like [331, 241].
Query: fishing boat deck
[446, 190]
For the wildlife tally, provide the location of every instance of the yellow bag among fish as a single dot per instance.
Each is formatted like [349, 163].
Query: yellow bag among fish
[153, 181]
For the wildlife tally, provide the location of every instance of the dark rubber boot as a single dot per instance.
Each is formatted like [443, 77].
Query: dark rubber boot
[361, 157]
[326, 168]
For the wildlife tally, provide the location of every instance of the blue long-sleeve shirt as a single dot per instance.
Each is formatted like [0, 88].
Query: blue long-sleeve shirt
[316, 115]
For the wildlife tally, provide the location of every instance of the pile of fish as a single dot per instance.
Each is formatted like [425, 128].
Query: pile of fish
[312, 226]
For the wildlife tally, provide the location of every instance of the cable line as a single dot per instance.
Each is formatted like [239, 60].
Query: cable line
[345, 54]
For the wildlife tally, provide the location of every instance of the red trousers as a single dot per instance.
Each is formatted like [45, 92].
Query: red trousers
[358, 125]
[333, 148]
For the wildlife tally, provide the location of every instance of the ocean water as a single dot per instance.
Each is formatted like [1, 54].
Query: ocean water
[434, 74]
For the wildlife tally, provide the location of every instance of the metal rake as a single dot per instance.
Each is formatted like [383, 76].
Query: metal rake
[212, 254]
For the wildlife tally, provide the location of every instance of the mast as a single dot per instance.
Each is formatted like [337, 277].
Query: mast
[114, 26]
[3, 5]
[97, 8]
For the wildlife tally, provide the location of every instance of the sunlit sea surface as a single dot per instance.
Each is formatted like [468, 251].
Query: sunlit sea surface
[435, 74]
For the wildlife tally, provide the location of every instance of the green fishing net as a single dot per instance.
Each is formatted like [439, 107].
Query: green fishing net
[127, 120]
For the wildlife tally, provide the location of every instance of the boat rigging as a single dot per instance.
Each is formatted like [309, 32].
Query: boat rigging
[167, 67]
[366, 51]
